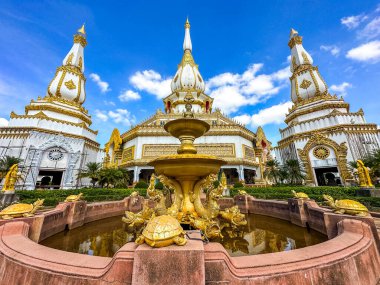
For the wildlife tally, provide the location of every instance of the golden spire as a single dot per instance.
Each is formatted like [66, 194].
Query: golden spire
[187, 24]
[293, 32]
[82, 30]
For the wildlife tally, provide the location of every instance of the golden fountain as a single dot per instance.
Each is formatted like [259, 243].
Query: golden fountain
[188, 174]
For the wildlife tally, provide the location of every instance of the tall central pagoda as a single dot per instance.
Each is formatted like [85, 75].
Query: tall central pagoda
[245, 151]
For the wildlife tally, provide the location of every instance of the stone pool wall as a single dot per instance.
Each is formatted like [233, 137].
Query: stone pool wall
[351, 256]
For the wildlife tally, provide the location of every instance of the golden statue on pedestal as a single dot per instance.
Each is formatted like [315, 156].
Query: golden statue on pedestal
[363, 173]
[11, 178]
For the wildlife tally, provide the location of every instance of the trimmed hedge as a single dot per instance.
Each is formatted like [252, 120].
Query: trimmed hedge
[53, 197]
[315, 193]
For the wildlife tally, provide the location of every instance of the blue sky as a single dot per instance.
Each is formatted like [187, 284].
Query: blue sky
[241, 48]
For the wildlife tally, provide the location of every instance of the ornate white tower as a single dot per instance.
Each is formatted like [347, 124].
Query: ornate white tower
[188, 83]
[321, 131]
[53, 138]
[68, 82]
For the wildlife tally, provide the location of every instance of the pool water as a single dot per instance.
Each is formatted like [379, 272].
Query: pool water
[262, 234]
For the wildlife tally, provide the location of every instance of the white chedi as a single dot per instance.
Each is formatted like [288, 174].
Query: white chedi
[69, 81]
[187, 76]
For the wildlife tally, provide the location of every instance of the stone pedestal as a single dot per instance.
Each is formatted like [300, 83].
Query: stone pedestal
[297, 211]
[170, 265]
[368, 192]
[7, 198]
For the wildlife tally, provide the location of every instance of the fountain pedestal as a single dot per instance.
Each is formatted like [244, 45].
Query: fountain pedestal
[184, 171]
[170, 265]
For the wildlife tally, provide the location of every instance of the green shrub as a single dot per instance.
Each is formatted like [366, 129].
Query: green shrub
[216, 184]
[141, 185]
[53, 197]
[238, 185]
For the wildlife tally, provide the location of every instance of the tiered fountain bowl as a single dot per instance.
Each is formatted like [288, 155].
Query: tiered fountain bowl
[187, 167]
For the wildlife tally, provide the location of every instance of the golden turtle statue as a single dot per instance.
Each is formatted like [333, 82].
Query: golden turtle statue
[346, 206]
[162, 231]
[300, 195]
[73, 198]
[21, 210]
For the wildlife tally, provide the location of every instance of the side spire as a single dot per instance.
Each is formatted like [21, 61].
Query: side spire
[306, 82]
[187, 41]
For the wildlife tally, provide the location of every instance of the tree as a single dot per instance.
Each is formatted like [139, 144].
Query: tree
[295, 171]
[116, 177]
[92, 172]
[272, 170]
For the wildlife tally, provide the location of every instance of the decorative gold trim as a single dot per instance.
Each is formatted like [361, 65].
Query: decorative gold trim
[8, 132]
[79, 91]
[305, 84]
[71, 69]
[316, 139]
[83, 117]
[70, 84]
[128, 154]
[58, 92]
[344, 128]
[296, 40]
[43, 116]
[80, 39]
[317, 91]
[324, 106]
[321, 152]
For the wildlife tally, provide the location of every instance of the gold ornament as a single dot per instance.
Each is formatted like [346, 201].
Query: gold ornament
[70, 85]
[346, 206]
[74, 198]
[11, 178]
[300, 195]
[363, 173]
[21, 210]
[162, 231]
[321, 152]
[305, 84]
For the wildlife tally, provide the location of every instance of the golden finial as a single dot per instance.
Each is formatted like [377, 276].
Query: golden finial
[81, 30]
[187, 24]
[293, 32]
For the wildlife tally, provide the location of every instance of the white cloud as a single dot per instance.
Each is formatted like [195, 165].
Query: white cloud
[151, 82]
[352, 22]
[101, 115]
[122, 116]
[369, 52]
[341, 89]
[129, 95]
[109, 103]
[371, 30]
[272, 115]
[104, 86]
[3, 122]
[334, 50]
[232, 91]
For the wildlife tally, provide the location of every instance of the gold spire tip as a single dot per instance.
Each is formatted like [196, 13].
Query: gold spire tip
[293, 32]
[187, 24]
[82, 30]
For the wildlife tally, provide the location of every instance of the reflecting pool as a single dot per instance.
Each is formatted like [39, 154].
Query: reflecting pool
[262, 234]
